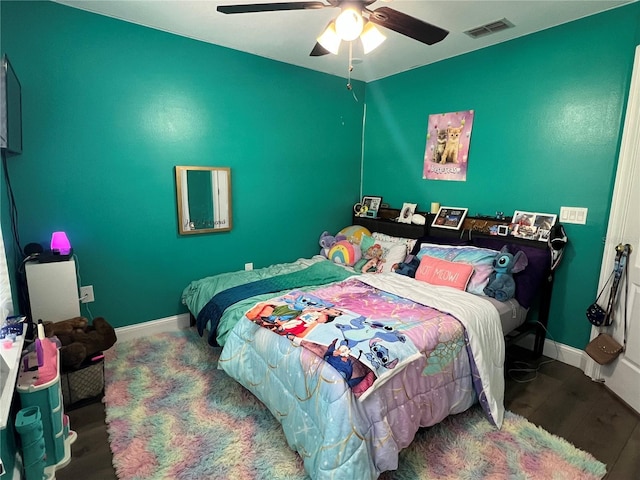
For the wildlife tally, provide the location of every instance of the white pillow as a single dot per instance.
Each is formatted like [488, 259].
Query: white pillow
[393, 252]
[409, 242]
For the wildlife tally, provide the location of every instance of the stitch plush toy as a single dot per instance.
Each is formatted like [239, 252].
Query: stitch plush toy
[501, 284]
[327, 241]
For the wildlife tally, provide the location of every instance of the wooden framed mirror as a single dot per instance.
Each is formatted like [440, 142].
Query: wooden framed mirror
[204, 199]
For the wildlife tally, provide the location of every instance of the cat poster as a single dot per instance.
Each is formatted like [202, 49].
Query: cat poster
[447, 152]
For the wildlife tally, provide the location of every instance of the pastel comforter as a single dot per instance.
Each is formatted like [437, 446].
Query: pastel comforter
[199, 296]
[337, 432]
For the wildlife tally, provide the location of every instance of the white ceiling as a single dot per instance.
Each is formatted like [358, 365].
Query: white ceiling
[289, 36]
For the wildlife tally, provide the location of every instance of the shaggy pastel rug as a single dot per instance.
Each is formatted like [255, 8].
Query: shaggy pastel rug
[172, 414]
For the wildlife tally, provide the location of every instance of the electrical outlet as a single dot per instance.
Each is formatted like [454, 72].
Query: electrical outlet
[248, 266]
[86, 294]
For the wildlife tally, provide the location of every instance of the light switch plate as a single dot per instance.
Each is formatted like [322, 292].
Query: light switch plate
[573, 215]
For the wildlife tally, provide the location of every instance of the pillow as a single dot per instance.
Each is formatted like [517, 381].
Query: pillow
[366, 243]
[409, 242]
[393, 253]
[354, 233]
[481, 259]
[344, 253]
[437, 241]
[441, 272]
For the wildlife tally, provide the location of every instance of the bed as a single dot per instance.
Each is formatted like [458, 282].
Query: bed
[396, 355]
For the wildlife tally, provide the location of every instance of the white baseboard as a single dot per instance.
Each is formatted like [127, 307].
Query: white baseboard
[558, 351]
[167, 324]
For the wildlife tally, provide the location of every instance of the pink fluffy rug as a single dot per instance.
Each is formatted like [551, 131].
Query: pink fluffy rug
[172, 414]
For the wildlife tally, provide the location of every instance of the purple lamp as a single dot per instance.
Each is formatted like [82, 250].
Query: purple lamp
[60, 243]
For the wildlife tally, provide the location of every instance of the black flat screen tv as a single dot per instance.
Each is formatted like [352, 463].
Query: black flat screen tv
[10, 109]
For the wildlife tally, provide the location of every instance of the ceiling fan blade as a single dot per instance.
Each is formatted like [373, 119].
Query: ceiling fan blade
[407, 25]
[318, 51]
[270, 7]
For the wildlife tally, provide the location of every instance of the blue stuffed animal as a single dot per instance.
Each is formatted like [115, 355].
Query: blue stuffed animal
[408, 268]
[501, 284]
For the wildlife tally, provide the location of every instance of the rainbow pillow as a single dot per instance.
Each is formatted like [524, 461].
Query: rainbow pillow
[344, 253]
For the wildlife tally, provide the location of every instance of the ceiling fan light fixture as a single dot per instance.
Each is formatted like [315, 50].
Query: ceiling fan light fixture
[349, 24]
[330, 39]
[371, 37]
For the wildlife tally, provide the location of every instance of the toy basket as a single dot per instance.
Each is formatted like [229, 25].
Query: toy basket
[84, 385]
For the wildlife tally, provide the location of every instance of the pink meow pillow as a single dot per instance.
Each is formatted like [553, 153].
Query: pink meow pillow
[442, 272]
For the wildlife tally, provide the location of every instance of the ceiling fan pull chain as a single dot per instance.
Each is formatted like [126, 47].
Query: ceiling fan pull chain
[350, 67]
[349, 87]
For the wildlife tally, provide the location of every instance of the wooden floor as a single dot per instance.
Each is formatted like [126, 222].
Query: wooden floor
[557, 397]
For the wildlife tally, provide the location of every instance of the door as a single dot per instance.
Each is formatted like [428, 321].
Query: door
[623, 375]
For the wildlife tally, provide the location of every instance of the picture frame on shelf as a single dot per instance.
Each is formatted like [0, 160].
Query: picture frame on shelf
[451, 218]
[370, 206]
[502, 230]
[532, 225]
[406, 214]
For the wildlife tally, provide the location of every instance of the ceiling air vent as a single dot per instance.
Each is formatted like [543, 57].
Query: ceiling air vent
[489, 28]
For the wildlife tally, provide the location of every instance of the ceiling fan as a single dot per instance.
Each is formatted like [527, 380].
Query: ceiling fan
[355, 20]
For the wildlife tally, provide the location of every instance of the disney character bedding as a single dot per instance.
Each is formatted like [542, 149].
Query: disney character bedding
[350, 365]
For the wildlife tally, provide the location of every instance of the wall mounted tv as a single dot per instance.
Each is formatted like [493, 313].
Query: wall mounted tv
[10, 109]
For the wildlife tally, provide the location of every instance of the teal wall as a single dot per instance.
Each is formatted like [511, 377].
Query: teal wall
[109, 108]
[548, 119]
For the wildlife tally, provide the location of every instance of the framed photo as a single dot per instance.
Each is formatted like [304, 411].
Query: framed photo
[450, 217]
[408, 209]
[370, 206]
[532, 225]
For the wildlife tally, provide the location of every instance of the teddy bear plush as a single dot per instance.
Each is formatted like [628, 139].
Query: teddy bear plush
[80, 340]
[501, 284]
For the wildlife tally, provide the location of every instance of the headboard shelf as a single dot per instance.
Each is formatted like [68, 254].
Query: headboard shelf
[386, 223]
[473, 227]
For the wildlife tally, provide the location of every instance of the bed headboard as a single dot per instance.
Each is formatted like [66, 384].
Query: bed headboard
[535, 283]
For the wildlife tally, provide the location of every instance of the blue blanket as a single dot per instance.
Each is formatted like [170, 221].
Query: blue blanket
[365, 352]
[317, 274]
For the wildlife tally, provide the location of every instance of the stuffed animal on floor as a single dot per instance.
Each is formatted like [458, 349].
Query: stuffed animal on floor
[80, 340]
[501, 284]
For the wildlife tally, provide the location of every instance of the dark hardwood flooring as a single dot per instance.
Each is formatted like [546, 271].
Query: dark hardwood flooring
[558, 397]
